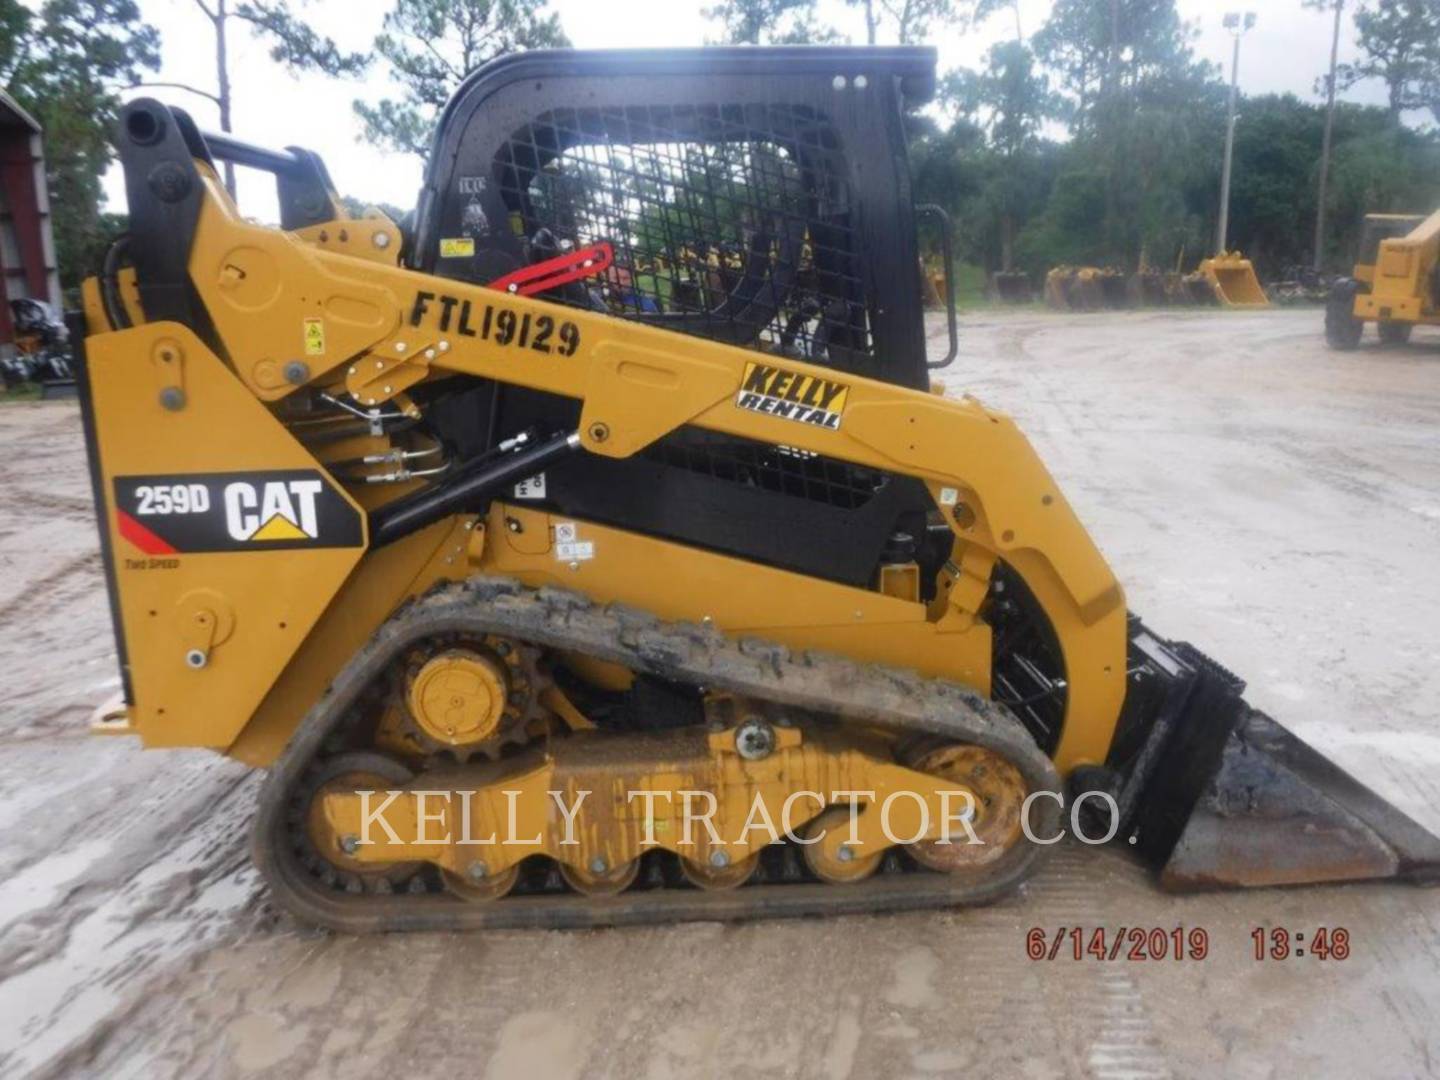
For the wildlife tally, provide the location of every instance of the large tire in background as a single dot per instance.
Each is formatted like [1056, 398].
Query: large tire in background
[1395, 333]
[1342, 329]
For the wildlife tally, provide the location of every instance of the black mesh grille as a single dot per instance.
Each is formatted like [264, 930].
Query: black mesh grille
[781, 470]
[1027, 666]
[730, 222]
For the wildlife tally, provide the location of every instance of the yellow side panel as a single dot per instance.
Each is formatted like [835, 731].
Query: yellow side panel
[1396, 261]
[229, 541]
[741, 598]
[746, 599]
[383, 580]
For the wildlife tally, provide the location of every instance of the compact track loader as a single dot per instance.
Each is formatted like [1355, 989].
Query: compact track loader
[1396, 283]
[620, 472]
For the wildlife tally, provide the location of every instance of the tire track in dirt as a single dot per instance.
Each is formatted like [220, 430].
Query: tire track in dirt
[72, 507]
[56, 590]
[165, 884]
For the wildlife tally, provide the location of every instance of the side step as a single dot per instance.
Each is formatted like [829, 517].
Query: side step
[1219, 795]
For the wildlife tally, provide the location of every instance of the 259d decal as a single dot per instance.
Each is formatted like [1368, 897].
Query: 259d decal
[239, 511]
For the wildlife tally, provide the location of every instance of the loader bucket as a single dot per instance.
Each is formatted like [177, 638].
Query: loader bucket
[1012, 287]
[1219, 795]
[1057, 288]
[932, 288]
[1075, 288]
[1234, 281]
[1176, 292]
[1277, 812]
[1113, 290]
[1200, 289]
[1147, 289]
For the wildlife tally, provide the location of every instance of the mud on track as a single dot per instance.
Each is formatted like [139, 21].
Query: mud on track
[1273, 502]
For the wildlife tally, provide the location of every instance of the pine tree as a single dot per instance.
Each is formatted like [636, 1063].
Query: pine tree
[66, 63]
[432, 45]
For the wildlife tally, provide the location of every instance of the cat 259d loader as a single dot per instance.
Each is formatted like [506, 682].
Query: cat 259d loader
[620, 472]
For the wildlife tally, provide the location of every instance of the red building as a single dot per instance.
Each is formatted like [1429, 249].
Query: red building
[27, 249]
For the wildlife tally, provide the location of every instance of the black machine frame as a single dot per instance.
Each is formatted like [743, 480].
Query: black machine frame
[859, 94]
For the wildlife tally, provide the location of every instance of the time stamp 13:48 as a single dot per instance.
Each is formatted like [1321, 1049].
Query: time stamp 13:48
[1156, 943]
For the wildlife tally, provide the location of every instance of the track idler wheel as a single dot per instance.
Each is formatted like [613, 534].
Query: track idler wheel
[726, 875]
[476, 884]
[599, 878]
[1000, 793]
[830, 858]
[354, 771]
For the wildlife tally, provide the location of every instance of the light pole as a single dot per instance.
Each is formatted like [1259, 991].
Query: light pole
[1237, 25]
[1325, 145]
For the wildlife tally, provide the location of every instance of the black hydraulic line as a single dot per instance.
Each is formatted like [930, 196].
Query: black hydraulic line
[115, 311]
[464, 490]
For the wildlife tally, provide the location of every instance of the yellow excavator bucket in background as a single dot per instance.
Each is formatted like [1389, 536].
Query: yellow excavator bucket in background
[1074, 288]
[1234, 281]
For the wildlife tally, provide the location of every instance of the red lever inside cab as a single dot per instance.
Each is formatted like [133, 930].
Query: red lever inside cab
[561, 270]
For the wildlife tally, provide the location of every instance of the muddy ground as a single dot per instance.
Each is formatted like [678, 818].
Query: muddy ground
[1274, 502]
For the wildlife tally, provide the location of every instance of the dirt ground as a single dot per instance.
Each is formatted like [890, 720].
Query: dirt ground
[1275, 503]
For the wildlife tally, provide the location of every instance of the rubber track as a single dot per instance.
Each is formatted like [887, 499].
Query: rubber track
[683, 652]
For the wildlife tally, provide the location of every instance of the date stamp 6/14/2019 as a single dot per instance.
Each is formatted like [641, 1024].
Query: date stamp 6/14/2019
[1179, 943]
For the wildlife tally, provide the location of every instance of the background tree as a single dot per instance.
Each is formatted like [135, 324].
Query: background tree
[1378, 168]
[984, 9]
[65, 62]
[1135, 183]
[872, 18]
[1008, 101]
[293, 43]
[431, 45]
[1141, 111]
[768, 22]
[1400, 42]
[905, 22]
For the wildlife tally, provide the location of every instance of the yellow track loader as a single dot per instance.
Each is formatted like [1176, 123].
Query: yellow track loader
[597, 548]
[1396, 284]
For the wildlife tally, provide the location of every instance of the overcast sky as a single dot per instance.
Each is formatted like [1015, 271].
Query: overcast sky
[1286, 51]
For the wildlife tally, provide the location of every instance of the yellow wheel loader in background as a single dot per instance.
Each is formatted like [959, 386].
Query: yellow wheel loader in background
[1396, 283]
[585, 509]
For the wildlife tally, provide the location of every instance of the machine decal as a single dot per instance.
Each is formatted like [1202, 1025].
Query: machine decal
[568, 545]
[532, 488]
[239, 511]
[806, 399]
[314, 337]
[497, 323]
[458, 247]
